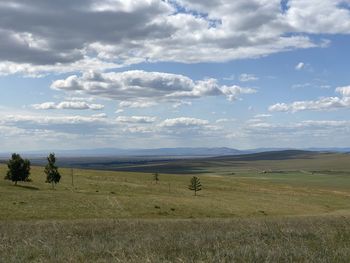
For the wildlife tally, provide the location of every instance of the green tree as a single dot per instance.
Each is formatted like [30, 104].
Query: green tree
[195, 185]
[51, 170]
[18, 169]
[156, 177]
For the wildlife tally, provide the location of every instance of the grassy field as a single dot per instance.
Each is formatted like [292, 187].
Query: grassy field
[103, 194]
[249, 210]
[308, 239]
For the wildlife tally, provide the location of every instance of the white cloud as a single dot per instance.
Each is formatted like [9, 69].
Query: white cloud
[318, 17]
[33, 129]
[140, 88]
[47, 120]
[300, 66]
[135, 119]
[137, 104]
[139, 129]
[300, 134]
[258, 116]
[311, 85]
[85, 99]
[183, 122]
[294, 129]
[247, 77]
[108, 34]
[233, 92]
[188, 128]
[68, 105]
[279, 107]
[182, 103]
[327, 103]
[100, 115]
[29, 70]
[344, 91]
[61, 124]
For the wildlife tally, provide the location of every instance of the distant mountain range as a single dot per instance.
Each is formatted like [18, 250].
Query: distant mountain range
[166, 152]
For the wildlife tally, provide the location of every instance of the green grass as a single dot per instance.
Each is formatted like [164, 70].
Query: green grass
[298, 211]
[104, 194]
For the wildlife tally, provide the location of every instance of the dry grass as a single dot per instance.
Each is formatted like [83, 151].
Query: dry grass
[308, 239]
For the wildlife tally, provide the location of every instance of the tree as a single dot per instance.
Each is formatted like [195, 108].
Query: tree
[156, 177]
[195, 185]
[18, 169]
[51, 170]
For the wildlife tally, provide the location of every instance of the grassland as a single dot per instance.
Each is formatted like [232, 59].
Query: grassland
[308, 239]
[260, 210]
[103, 194]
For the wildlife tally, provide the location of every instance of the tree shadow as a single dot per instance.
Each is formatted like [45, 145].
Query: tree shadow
[29, 187]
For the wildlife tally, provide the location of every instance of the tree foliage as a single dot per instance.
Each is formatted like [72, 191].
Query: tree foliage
[51, 170]
[195, 185]
[18, 169]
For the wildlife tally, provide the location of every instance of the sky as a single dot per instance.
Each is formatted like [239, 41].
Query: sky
[174, 73]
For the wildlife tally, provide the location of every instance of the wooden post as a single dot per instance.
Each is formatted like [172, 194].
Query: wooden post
[72, 174]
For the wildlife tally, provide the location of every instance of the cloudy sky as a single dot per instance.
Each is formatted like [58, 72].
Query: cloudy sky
[172, 73]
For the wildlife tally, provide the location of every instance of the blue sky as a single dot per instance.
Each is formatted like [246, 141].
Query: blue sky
[149, 74]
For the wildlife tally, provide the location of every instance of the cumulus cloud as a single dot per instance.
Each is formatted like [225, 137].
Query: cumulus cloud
[327, 103]
[140, 88]
[68, 105]
[39, 37]
[344, 91]
[183, 122]
[316, 17]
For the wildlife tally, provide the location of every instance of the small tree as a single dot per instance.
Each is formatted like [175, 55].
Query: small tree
[18, 169]
[195, 185]
[156, 177]
[51, 170]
